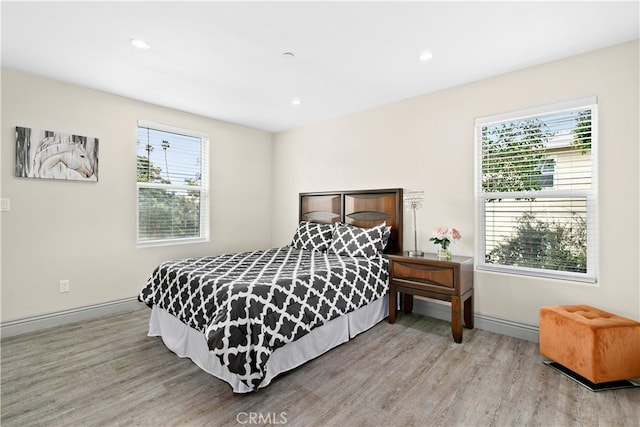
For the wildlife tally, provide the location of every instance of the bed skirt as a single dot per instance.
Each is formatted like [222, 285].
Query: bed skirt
[188, 342]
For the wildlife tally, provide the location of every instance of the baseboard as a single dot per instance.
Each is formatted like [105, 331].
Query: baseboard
[428, 308]
[492, 324]
[49, 320]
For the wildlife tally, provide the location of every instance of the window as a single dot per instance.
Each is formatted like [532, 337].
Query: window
[172, 171]
[547, 176]
[536, 191]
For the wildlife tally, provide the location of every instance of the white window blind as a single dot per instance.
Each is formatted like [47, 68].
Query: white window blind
[536, 191]
[172, 178]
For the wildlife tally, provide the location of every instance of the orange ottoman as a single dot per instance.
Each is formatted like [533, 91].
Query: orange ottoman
[597, 345]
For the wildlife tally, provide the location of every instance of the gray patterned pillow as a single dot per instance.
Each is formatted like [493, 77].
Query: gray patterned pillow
[357, 242]
[312, 236]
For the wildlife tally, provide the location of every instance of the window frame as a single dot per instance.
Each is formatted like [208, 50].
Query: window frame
[590, 195]
[204, 226]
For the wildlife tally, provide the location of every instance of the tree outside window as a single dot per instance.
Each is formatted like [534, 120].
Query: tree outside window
[535, 192]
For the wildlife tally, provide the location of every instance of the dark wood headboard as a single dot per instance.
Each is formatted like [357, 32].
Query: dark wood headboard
[362, 208]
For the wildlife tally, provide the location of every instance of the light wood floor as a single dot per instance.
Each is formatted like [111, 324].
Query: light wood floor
[107, 372]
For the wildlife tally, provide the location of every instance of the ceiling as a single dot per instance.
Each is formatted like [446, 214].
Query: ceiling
[226, 60]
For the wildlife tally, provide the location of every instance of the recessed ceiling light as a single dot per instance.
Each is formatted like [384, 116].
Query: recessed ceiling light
[140, 44]
[426, 56]
[296, 101]
[289, 55]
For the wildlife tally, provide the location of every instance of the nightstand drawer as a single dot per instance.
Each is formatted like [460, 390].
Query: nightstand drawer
[423, 273]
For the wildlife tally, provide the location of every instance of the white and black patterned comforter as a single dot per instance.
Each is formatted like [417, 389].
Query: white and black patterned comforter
[249, 304]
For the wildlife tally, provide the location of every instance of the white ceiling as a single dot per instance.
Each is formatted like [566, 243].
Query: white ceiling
[225, 59]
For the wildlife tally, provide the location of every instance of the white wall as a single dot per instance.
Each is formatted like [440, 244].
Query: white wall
[427, 143]
[86, 232]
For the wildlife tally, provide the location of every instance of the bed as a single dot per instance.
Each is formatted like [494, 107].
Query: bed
[247, 317]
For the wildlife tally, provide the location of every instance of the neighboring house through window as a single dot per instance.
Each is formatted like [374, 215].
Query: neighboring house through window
[172, 181]
[536, 191]
[547, 178]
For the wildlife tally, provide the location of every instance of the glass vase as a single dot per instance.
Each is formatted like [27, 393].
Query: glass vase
[444, 254]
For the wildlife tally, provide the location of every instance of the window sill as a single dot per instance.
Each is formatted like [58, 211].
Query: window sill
[539, 274]
[172, 242]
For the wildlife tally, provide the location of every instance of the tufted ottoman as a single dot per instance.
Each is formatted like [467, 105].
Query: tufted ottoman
[597, 345]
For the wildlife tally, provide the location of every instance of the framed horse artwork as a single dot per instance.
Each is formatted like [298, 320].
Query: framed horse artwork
[49, 154]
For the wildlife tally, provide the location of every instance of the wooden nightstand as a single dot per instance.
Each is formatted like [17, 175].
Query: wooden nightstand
[428, 276]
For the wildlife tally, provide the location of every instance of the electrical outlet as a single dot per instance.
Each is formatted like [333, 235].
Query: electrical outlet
[63, 286]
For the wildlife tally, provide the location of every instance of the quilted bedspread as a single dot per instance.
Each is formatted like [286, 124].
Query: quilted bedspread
[248, 304]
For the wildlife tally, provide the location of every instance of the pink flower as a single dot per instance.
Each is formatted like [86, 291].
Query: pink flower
[443, 236]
